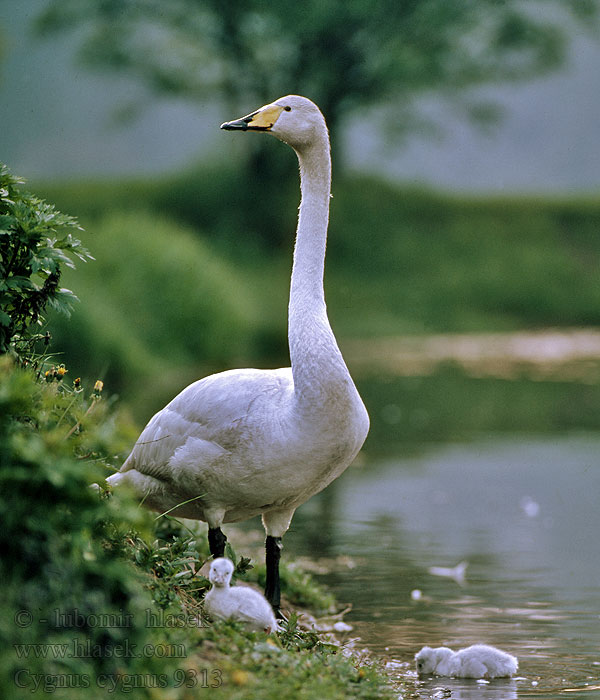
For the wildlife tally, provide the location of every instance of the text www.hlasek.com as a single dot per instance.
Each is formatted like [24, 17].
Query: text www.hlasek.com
[78, 649]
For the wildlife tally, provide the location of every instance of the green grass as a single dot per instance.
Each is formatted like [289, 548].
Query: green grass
[418, 261]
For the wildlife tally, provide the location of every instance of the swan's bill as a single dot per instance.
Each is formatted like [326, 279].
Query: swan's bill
[261, 120]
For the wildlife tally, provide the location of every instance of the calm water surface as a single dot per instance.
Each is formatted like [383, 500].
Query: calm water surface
[523, 512]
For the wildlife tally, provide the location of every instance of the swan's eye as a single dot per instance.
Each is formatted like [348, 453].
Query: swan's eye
[288, 108]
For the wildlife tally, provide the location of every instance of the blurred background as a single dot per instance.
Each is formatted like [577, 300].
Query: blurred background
[465, 174]
[463, 261]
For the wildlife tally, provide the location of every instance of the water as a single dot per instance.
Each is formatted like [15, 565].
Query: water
[523, 512]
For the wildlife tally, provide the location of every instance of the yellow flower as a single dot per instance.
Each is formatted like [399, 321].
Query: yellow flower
[60, 372]
[98, 386]
[239, 677]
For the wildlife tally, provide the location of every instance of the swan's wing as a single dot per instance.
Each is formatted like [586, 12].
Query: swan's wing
[201, 424]
[169, 435]
[222, 401]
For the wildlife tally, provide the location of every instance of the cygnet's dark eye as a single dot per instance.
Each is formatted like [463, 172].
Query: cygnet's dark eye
[288, 108]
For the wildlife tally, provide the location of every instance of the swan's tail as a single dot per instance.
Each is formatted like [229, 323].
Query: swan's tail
[115, 479]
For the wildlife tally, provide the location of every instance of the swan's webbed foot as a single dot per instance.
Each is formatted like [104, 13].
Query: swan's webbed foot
[273, 548]
[216, 542]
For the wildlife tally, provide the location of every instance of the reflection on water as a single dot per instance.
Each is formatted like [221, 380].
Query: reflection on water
[523, 513]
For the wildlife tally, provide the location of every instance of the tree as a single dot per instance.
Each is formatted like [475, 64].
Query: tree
[344, 55]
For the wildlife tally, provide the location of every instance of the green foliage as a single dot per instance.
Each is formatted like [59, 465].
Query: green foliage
[36, 241]
[169, 308]
[58, 575]
[172, 561]
[238, 214]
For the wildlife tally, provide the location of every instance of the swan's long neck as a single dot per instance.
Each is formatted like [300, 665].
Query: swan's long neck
[317, 365]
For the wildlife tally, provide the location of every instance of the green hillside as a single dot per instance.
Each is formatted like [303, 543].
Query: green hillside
[192, 272]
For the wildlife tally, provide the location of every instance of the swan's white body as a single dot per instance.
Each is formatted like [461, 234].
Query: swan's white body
[247, 442]
[476, 661]
[237, 602]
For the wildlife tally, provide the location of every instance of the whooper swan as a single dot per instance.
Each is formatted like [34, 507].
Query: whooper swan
[476, 661]
[237, 602]
[247, 442]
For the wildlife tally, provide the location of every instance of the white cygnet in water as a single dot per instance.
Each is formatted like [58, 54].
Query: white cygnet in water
[477, 661]
[237, 602]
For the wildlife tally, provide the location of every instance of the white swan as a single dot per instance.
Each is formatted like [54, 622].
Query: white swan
[247, 442]
[237, 602]
[476, 661]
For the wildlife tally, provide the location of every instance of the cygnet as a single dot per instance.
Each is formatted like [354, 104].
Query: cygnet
[476, 661]
[237, 602]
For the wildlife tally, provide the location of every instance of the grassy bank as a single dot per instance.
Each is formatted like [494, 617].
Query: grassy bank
[102, 596]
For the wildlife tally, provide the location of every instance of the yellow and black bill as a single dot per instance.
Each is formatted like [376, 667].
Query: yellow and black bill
[261, 120]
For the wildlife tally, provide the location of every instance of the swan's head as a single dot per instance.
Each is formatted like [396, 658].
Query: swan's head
[221, 571]
[293, 119]
[428, 659]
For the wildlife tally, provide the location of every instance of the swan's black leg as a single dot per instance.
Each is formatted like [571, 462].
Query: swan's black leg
[273, 547]
[216, 542]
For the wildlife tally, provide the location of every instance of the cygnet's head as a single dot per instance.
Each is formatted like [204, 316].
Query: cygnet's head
[293, 119]
[427, 659]
[221, 571]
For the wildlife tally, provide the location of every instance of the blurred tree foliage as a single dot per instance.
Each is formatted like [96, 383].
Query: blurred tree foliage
[344, 55]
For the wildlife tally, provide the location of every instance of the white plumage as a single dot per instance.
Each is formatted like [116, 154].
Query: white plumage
[247, 442]
[476, 661]
[237, 602]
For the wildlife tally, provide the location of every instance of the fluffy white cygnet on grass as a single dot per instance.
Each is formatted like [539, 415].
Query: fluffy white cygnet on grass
[477, 661]
[237, 602]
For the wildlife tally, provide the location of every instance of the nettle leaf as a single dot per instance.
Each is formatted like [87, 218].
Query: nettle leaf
[7, 222]
[18, 282]
[36, 240]
[62, 300]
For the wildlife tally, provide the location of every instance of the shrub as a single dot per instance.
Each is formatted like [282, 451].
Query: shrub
[158, 306]
[71, 604]
[36, 240]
